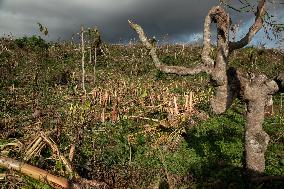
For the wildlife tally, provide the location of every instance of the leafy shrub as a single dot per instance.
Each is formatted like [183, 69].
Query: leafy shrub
[32, 43]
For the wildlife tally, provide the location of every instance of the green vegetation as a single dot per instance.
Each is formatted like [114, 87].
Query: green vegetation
[126, 131]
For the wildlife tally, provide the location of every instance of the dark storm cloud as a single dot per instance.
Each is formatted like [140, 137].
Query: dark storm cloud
[180, 19]
[175, 18]
[64, 17]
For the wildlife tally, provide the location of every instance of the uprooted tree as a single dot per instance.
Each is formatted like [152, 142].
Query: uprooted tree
[229, 82]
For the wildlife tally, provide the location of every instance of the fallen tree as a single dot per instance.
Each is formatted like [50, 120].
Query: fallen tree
[44, 176]
[254, 90]
[37, 173]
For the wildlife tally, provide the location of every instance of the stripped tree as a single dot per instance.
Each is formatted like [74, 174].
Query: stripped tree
[229, 82]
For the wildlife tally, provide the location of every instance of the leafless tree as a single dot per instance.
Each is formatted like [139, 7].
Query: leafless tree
[229, 82]
[83, 59]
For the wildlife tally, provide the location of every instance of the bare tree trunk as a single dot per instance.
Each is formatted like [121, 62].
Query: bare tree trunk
[222, 100]
[255, 93]
[95, 63]
[83, 59]
[228, 82]
[256, 139]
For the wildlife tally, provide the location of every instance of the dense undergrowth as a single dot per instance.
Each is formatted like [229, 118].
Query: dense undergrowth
[135, 127]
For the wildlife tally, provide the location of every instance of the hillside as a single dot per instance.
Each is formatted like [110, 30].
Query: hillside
[136, 127]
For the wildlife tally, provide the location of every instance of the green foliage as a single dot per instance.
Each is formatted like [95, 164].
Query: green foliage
[274, 158]
[210, 150]
[33, 43]
[129, 149]
[34, 184]
[169, 60]
[182, 161]
[160, 75]
[42, 29]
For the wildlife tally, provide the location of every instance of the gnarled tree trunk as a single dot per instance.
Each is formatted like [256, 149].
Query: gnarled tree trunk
[255, 93]
[228, 82]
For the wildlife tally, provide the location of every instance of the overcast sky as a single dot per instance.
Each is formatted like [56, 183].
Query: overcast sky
[175, 20]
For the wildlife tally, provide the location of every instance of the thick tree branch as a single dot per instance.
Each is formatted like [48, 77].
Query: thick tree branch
[207, 60]
[259, 17]
[224, 95]
[56, 151]
[179, 70]
[36, 173]
[44, 176]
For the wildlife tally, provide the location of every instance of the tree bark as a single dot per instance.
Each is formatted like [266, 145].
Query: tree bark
[258, 23]
[228, 82]
[179, 70]
[222, 99]
[255, 93]
[44, 176]
[37, 173]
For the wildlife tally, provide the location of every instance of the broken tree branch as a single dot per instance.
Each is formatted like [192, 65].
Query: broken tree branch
[44, 176]
[56, 151]
[36, 145]
[36, 173]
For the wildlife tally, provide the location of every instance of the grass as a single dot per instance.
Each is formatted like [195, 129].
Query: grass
[126, 132]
